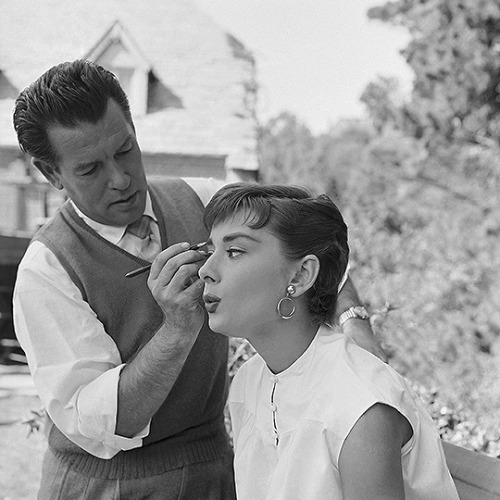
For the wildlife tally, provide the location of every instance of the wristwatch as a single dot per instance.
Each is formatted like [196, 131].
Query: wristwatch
[353, 312]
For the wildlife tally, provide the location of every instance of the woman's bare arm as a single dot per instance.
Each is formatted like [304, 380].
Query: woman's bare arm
[370, 460]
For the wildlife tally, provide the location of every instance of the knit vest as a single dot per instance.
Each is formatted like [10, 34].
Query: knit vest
[189, 426]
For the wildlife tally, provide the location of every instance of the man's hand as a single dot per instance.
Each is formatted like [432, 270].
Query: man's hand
[359, 330]
[176, 287]
[149, 377]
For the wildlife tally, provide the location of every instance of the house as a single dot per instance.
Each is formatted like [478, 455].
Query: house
[192, 86]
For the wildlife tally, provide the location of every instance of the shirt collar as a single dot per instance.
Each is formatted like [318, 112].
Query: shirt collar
[302, 364]
[113, 233]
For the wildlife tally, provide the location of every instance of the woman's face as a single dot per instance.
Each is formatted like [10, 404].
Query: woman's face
[245, 277]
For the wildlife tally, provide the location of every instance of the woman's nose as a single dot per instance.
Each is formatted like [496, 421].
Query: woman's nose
[205, 272]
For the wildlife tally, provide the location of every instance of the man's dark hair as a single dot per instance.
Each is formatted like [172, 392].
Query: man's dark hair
[67, 94]
[304, 224]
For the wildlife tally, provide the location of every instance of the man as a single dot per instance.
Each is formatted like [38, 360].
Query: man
[131, 377]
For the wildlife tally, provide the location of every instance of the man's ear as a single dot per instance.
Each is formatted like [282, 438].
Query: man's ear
[49, 171]
[307, 272]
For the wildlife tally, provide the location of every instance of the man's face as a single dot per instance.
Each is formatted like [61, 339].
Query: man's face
[100, 166]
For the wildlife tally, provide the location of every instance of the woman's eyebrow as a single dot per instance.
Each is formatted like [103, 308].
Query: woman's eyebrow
[234, 236]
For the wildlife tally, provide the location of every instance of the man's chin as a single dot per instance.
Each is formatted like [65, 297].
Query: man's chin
[128, 211]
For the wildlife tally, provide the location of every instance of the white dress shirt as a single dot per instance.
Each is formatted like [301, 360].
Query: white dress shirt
[74, 363]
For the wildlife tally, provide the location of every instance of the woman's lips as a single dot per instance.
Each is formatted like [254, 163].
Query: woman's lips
[211, 302]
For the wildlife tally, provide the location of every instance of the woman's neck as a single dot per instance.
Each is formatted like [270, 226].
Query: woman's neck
[282, 346]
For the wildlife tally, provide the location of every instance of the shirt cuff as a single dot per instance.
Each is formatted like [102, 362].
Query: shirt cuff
[97, 411]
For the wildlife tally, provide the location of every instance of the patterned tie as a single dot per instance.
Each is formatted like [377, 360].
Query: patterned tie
[149, 247]
[141, 227]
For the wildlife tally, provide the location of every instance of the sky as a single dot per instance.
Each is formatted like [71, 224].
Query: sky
[314, 57]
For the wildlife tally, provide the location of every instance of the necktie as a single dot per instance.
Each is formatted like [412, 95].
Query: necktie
[141, 227]
[149, 247]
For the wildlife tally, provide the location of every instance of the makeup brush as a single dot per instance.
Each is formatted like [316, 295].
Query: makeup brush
[141, 270]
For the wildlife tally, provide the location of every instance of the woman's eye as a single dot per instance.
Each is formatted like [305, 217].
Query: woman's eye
[233, 252]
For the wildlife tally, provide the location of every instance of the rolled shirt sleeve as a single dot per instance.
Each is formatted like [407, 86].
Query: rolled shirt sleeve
[97, 410]
[74, 363]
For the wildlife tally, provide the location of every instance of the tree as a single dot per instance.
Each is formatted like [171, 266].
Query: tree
[454, 52]
[326, 163]
[286, 149]
[383, 103]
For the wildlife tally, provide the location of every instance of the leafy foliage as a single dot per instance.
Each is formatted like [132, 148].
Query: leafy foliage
[454, 54]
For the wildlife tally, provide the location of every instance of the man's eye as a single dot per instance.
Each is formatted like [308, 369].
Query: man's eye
[123, 152]
[90, 169]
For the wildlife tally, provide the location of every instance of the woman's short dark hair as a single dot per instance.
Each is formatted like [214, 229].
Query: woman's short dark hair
[305, 225]
[66, 94]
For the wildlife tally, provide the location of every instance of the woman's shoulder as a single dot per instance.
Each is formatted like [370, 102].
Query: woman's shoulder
[379, 377]
[355, 371]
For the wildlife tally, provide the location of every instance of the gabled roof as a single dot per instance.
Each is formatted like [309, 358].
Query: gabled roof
[118, 33]
[206, 76]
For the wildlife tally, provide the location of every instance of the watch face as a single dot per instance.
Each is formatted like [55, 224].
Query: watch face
[353, 312]
[360, 312]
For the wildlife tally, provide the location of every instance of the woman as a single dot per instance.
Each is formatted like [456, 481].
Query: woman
[314, 416]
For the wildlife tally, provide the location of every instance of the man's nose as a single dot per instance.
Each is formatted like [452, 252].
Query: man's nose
[117, 177]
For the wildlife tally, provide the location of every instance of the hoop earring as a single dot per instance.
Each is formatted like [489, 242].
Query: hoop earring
[290, 290]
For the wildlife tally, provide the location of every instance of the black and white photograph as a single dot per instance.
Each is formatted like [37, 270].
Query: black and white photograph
[250, 250]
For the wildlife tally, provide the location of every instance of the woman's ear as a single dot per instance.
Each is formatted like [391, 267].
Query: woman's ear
[307, 272]
[49, 172]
